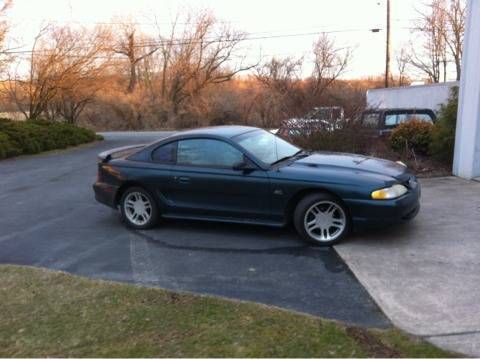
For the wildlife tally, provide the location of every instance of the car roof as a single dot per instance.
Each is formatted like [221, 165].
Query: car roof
[222, 131]
[400, 109]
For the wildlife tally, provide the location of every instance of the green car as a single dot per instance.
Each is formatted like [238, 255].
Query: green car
[248, 175]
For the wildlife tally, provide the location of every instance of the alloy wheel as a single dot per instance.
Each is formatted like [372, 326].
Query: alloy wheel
[325, 221]
[137, 208]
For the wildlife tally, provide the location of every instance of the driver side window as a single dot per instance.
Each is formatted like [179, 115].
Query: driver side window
[207, 153]
[390, 120]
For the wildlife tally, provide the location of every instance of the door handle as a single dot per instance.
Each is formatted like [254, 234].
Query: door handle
[182, 179]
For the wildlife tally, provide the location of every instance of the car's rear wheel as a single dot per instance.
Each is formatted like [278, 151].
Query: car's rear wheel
[321, 219]
[138, 209]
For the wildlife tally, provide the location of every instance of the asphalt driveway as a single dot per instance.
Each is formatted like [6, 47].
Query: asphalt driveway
[50, 219]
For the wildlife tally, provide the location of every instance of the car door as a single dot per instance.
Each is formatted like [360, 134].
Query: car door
[156, 174]
[205, 184]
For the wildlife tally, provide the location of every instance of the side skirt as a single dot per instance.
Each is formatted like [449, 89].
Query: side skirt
[225, 220]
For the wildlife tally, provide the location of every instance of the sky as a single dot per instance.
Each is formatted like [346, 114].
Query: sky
[347, 21]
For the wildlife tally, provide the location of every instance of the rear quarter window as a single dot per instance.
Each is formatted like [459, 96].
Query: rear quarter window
[208, 153]
[425, 117]
[165, 154]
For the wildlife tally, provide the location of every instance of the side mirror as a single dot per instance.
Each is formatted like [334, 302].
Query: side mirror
[245, 165]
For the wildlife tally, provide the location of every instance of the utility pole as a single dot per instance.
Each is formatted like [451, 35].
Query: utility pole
[388, 50]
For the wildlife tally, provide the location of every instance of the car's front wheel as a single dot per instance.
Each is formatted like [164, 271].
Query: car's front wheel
[138, 209]
[321, 219]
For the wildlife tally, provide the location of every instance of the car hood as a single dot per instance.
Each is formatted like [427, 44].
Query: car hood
[353, 162]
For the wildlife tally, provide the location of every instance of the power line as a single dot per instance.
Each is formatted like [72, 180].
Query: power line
[192, 42]
[253, 38]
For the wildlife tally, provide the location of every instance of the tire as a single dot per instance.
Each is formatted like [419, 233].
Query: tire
[136, 200]
[321, 219]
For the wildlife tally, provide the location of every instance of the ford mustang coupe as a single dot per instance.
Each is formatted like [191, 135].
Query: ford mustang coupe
[248, 175]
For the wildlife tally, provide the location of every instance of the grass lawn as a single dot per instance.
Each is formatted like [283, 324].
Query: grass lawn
[45, 313]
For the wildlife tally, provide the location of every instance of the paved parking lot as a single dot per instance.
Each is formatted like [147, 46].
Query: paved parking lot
[49, 218]
[426, 275]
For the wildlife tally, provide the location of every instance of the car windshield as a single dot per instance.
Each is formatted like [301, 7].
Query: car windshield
[267, 147]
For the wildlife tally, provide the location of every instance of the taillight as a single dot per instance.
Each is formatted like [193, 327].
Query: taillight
[100, 173]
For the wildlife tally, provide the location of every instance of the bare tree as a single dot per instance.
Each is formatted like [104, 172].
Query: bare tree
[62, 61]
[87, 67]
[135, 51]
[4, 27]
[440, 29]
[283, 95]
[402, 59]
[278, 96]
[329, 63]
[32, 94]
[279, 74]
[454, 32]
[199, 56]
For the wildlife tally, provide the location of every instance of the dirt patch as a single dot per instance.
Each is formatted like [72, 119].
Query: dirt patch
[425, 167]
[371, 344]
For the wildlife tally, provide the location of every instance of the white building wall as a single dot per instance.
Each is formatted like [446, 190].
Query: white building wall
[419, 96]
[466, 162]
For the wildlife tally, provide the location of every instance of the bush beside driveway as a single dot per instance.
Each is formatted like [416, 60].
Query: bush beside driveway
[47, 313]
[30, 137]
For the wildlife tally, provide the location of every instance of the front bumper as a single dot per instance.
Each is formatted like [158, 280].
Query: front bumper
[105, 193]
[379, 213]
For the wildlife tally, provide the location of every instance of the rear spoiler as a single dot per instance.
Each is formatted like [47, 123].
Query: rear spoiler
[118, 152]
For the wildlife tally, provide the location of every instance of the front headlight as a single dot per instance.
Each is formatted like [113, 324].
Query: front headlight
[395, 191]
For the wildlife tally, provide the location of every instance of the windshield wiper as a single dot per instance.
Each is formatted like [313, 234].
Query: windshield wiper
[300, 152]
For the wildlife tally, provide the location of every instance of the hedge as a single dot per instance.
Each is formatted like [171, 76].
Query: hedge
[443, 136]
[412, 135]
[29, 137]
[349, 138]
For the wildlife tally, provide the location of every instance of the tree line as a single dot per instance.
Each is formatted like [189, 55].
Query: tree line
[117, 77]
